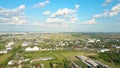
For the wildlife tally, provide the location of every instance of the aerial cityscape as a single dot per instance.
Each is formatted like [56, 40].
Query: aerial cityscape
[59, 33]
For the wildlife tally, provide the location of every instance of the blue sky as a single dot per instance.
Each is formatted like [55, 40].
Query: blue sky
[60, 15]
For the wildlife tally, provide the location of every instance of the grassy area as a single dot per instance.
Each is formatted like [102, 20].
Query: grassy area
[80, 63]
[60, 54]
[46, 63]
[4, 57]
[60, 36]
[59, 57]
[112, 65]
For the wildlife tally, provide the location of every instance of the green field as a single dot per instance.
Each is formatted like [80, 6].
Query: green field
[112, 65]
[4, 57]
[60, 57]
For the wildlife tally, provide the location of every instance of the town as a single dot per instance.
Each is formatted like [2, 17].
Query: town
[59, 50]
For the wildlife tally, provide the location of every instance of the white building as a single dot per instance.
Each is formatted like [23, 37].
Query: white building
[3, 52]
[32, 49]
[10, 62]
[98, 40]
[25, 44]
[88, 61]
[118, 47]
[9, 44]
[103, 50]
[9, 48]
[91, 40]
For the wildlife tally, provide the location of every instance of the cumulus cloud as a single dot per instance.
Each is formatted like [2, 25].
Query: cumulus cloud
[74, 19]
[63, 12]
[38, 24]
[41, 4]
[91, 21]
[60, 18]
[46, 13]
[96, 16]
[106, 12]
[77, 6]
[13, 16]
[106, 2]
[55, 20]
[51, 23]
[115, 10]
[67, 14]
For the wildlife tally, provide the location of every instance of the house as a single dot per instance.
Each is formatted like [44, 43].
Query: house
[42, 66]
[88, 61]
[103, 50]
[41, 59]
[3, 52]
[98, 40]
[25, 44]
[49, 58]
[9, 48]
[9, 44]
[103, 65]
[74, 65]
[118, 47]
[91, 40]
[11, 62]
[35, 48]
[94, 64]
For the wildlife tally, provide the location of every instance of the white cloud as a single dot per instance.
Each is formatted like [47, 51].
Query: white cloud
[106, 2]
[91, 21]
[74, 19]
[106, 13]
[38, 24]
[58, 22]
[50, 24]
[21, 7]
[117, 23]
[98, 15]
[77, 6]
[13, 16]
[66, 14]
[63, 12]
[60, 18]
[41, 4]
[64, 25]
[115, 10]
[46, 13]
[55, 20]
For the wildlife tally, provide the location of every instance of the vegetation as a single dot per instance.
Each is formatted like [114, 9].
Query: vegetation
[62, 47]
[112, 57]
[5, 58]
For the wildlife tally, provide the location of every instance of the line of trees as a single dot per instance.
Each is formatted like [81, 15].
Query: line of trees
[113, 57]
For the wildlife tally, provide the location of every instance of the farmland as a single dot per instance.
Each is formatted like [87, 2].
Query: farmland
[59, 50]
[59, 56]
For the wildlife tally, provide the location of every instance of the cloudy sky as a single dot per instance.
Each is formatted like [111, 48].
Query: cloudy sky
[60, 15]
